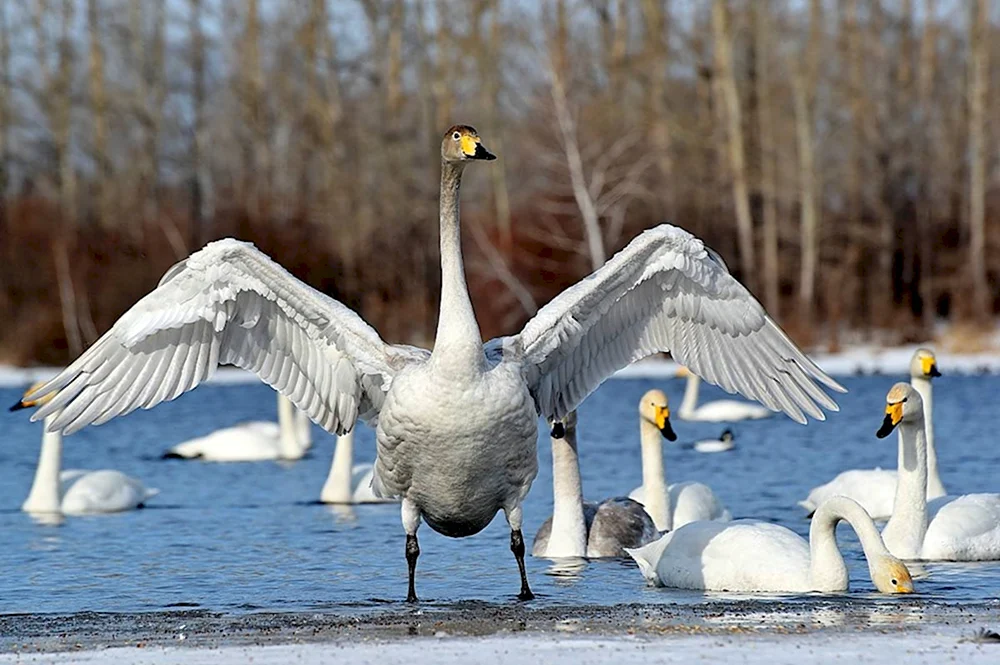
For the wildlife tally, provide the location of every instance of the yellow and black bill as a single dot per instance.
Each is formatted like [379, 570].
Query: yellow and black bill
[473, 148]
[663, 423]
[893, 415]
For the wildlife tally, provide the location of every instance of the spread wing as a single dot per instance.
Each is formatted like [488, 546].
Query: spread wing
[665, 291]
[229, 304]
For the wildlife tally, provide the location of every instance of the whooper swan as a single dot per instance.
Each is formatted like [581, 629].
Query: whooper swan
[717, 411]
[348, 482]
[256, 441]
[680, 503]
[456, 427]
[948, 528]
[874, 489]
[747, 555]
[586, 529]
[76, 491]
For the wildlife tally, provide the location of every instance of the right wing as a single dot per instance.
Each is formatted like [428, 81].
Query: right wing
[229, 304]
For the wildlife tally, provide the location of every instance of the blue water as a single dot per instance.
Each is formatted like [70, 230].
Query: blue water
[242, 537]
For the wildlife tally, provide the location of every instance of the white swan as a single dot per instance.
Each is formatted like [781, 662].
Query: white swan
[948, 528]
[457, 427]
[748, 555]
[717, 411]
[680, 503]
[725, 443]
[586, 529]
[77, 491]
[875, 488]
[348, 482]
[256, 441]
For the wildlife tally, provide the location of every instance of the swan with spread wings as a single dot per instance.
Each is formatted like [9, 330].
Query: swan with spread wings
[456, 426]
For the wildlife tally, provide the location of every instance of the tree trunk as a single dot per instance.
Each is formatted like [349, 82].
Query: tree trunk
[62, 124]
[978, 81]
[765, 126]
[803, 92]
[729, 98]
[99, 119]
[926, 158]
[657, 62]
[196, 233]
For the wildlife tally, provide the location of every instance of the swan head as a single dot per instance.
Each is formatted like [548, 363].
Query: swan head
[461, 143]
[727, 435]
[653, 408]
[903, 403]
[564, 427]
[890, 575]
[923, 365]
[24, 403]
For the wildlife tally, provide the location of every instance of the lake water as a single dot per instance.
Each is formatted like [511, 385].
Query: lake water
[245, 537]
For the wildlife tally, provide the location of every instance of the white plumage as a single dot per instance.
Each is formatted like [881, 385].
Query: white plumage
[456, 428]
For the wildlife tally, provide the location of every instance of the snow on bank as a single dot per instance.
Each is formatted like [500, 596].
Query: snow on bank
[854, 361]
[558, 650]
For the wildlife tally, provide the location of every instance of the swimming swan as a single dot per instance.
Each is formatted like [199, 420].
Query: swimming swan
[256, 441]
[748, 555]
[348, 482]
[586, 529]
[680, 503]
[717, 411]
[948, 528]
[456, 427]
[77, 491]
[875, 489]
[725, 443]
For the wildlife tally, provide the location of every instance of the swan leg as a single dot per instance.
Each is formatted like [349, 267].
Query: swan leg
[411, 520]
[517, 547]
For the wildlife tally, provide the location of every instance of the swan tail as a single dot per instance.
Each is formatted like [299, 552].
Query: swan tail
[150, 493]
[648, 556]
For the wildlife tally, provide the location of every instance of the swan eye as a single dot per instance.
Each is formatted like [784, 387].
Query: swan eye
[894, 582]
[904, 399]
[456, 136]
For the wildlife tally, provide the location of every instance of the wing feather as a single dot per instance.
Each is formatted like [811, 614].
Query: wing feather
[665, 292]
[229, 304]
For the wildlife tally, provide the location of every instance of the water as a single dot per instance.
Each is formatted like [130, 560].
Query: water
[245, 537]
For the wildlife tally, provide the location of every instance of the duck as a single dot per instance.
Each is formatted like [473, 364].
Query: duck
[716, 411]
[349, 483]
[289, 439]
[674, 505]
[456, 425]
[725, 443]
[77, 491]
[875, 488]
[579, 528]
[754, 556]
[948, 528]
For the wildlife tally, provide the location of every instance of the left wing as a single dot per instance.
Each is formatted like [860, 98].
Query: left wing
[665, 291]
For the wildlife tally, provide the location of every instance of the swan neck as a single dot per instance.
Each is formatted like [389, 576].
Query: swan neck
[656, 496]
[288, 429]
[458, 338]
[337, 488]
[45, 495]
[569, 532]
[906, 527]
[690, 401]
[923, 386]
[829, 572]
[303, 430]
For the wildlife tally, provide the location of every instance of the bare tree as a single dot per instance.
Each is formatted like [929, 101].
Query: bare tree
[99, 115]
[730, 99]
[765, 127]
[978, 21]
[657, 62]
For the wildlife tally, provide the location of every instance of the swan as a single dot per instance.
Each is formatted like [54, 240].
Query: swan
[725, 442]
[948, 528]
[456, 427]
[717, 411]
[875, 488]
[348, 482]
[749, 555]
[77, 491]
[256, 441]
[586, 529]
[680, 503]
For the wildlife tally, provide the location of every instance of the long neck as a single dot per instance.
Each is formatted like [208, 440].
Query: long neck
[906, 528]
[458, 338]
[827, 568]
[656, 498]
[44, 496]
[303, 430]
[690, 401]
[337, 488]
[922, 385]
[288, 429]
[569, 530]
